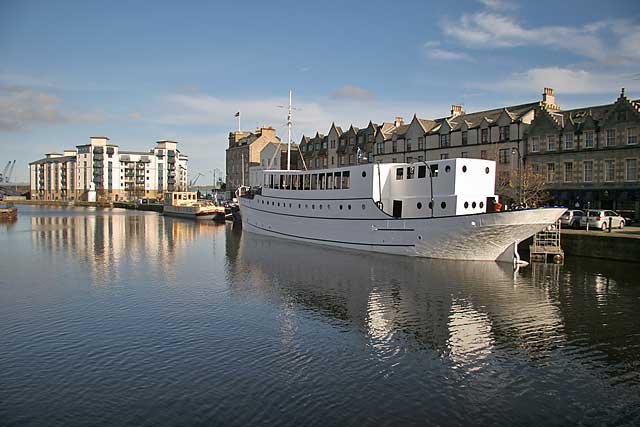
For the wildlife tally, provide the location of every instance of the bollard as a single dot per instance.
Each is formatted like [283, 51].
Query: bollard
[610, 218]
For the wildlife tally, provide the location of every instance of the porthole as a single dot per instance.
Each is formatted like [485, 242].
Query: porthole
[320, 207]
[419, 237]
[447, 169]
[313, 206]
[486, 170]
[419, 205]
[464, 168]
[364, 206]
[481, 205]
[430, 205]
[306, 206]
[443, 205]
[364, 174]
[340, 207]
[278, 204]
[473, 205]
[299, 205]
[466, 205]
[349, 207]
[289, 204]
[263, 202]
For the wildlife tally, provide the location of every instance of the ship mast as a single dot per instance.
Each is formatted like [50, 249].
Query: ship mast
[289, 140]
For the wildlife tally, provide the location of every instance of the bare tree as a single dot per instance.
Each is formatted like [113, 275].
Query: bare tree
[526, 188]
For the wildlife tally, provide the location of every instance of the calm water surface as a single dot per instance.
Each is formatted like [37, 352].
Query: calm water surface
[111, 317]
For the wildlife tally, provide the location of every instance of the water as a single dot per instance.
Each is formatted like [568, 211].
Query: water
[112, 317]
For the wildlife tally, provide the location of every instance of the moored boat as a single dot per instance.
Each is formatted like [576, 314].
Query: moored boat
[439, 209]
[185, 204]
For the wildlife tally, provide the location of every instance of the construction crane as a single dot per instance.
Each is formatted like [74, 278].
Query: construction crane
[194, 180]
[5, 176]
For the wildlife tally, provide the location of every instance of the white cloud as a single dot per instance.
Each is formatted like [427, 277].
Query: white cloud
[602, 40]
[352, 93]
[498, 4]
[447, 55]
[23, 108]
[565, 81]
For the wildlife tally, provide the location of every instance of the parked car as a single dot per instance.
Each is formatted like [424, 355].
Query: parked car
[571, 218]
[600, 219]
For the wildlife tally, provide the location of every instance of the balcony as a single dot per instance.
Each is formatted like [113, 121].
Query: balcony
[110, 150]
[98, 150]
[129, 174]
[171, 153]
[98, 157]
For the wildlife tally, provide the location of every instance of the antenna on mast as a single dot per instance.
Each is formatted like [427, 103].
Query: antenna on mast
[289, 139]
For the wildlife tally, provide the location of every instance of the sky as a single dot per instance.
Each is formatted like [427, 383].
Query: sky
[139, 72]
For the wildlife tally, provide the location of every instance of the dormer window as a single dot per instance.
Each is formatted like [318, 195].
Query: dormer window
[504, 133]
[484, 136]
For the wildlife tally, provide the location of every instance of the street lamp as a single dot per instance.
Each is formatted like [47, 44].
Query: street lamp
[515, 150]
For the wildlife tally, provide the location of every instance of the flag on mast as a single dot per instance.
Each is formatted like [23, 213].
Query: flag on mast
[237, 114]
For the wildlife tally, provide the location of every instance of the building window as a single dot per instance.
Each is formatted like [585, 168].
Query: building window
[465, 138]
[333, 160]
[464, 154]
[588, 171]
[421, 143]
[568, 172]
[420, 158]
[484, 136]
[503, 156]
[399, 173]
[483, 154]
[551, 170]
[632, 136]
[568, 141]
[588, 139]
[333, 143]
[394, 147]
[380, 148]
[408, 144]
[444, 156]
[551, 143]
[609, 170]
[611, 137]
[444, 140]
[535, 144]
[631, 170]
[504, 133]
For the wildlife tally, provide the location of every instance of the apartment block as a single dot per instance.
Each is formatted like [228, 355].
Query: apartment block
[113, 174]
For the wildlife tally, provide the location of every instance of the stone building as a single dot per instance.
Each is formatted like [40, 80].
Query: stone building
[114, 174]
[243, 152]
[273, 156]
[589, 155]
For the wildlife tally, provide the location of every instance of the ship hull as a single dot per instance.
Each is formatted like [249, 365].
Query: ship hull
[477, 237]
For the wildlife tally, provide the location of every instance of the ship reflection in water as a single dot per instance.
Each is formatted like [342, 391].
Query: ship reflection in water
[132, 318]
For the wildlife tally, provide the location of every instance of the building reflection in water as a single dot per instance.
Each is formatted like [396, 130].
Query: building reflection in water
[106, 240]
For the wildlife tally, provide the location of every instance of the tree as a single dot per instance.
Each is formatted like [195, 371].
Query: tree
[527, 188]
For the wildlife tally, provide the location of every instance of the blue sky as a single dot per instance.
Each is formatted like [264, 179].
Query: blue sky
[139, 72]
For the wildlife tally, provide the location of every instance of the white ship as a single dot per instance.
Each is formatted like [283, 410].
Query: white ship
[185, 204]
[439, 209]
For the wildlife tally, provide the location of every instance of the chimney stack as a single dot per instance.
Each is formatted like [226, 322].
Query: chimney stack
[549, 99]
[456, 110]
[399, 121]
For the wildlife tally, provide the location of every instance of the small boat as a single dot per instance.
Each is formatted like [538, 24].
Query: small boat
[185, 204]
[8, 214]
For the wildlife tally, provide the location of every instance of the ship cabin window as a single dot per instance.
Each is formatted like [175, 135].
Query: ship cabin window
[266, 181]
[294, 182]
[336, 182]
[422, 171]
[411, 172]
[345, 180]
[281, 181]
[434, 170]
[321, 181]
[314, 181]
[288, 182]
[270, 181]
[399, 173]
[307, 182]
[329, 181]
